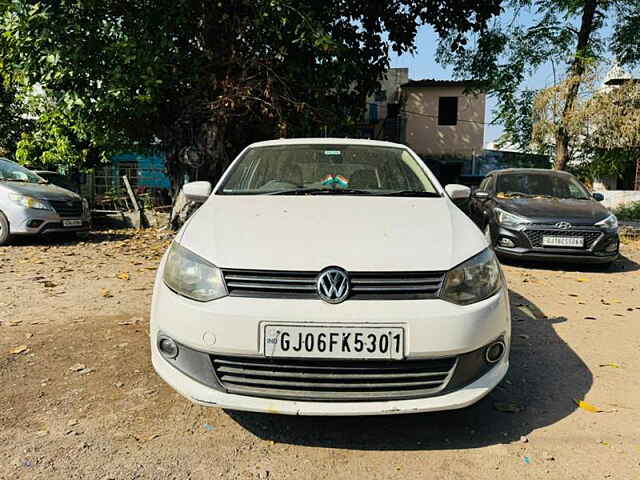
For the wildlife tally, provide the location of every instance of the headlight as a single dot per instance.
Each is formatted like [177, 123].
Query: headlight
[192, 276]
[509, 219]
[474, 280]
[28, 202]
[611, 222]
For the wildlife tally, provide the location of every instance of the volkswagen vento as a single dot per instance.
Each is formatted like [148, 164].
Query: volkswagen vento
[330, 277]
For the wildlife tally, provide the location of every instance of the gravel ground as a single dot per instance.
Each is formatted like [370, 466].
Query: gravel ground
[80, 400]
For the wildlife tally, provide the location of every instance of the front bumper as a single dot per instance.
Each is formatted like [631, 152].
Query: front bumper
[231, 326]
[601, 246]
[207, 396]
[37, 222]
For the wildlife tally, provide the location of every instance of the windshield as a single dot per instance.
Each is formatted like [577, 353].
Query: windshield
[12, 172]
[329, 169]
[540, 185]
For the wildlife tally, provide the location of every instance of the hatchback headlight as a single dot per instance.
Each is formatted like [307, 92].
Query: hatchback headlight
[28, 202]
[474, 280]
[611, 222]
[192, 276]
[507, 219]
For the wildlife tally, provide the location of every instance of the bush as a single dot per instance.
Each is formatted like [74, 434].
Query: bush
[628, 211]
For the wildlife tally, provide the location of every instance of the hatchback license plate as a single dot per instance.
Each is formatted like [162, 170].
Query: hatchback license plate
[563, 241]
[334, 342]
[72, 223]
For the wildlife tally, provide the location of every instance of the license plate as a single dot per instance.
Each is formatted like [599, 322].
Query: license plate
[72, 223]
[562, 241]
[334, 342]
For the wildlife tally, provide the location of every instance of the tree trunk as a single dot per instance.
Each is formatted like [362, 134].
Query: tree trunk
[576, 71]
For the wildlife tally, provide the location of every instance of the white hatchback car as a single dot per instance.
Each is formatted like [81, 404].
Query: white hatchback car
[330, 277]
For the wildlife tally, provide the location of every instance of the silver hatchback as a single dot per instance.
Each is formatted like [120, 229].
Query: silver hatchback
[29, 205]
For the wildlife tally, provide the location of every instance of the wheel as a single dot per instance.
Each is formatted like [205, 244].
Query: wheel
[5, 234]
[487, 235]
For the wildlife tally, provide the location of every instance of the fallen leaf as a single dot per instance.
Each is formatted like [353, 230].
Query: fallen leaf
[587, 406]
[612, 364]
[155, 435]
[77, 367]
[582, 280]
[18, 350]
[123, 276]
[106, 293]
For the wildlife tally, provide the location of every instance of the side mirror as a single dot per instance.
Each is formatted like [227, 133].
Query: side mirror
[197, 191]
[457, 192]
[480, 195]
[598, 196]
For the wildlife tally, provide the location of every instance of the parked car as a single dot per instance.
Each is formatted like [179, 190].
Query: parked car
[542, 214]
[330, 277]
[29, 205]
[58, 179]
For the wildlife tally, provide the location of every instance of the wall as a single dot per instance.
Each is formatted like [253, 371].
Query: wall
[426, 137]
[615, 198]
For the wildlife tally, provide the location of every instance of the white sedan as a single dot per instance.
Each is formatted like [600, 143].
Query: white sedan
[330, 277]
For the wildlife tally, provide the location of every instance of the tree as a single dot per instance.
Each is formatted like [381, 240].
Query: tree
[602, 125]
[13, 121]
[200, 80]
[568, 34]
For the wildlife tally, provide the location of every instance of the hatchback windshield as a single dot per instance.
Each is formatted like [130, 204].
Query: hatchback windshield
[328, 169]
[12, 172]
[540, 185]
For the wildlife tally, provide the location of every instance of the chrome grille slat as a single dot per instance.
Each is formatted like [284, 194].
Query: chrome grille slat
[408, 288]
[259, 286]
[325, 376]
[242, 278]
[365, 285]
[333, 380]
[324, 385]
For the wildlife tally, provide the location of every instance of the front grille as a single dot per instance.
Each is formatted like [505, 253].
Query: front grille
[67, 208]
[535, 236]
[333, 380]
[364, 285]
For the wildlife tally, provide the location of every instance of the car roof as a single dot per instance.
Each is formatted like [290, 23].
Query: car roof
[527, 170]
[326, 141]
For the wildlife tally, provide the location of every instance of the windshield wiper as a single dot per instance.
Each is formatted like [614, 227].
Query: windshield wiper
[409, 193]
[321, 191]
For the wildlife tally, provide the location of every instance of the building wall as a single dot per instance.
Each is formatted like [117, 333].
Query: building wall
[426, 137]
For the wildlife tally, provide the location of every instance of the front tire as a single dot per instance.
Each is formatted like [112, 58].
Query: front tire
[5, 234]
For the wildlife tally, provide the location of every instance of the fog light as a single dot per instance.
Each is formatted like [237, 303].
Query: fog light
[168, 347]
[506, 242]
[34, 223]
[612, 247]
[495, 351]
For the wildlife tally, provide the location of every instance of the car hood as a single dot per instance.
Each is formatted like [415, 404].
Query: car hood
[42, 191]
[313, 232]
[552, 210]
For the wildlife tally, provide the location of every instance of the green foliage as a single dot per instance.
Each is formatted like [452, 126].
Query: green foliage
[202, 79]
[533, 33]
[13, 122]
[628, 211]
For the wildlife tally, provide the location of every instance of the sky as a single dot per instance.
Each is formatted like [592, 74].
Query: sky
[423, 65]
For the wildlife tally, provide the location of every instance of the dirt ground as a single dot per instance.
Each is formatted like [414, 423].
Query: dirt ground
[80, 400]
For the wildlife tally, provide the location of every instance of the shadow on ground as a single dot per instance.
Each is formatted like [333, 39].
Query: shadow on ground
[544, 378]
[621, 264]
[53, 239]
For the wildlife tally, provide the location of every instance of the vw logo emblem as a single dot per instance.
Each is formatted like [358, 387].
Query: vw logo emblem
[333, 285]
[563, 225]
